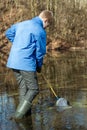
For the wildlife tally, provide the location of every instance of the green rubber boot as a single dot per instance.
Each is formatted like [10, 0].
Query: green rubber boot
[23, 107]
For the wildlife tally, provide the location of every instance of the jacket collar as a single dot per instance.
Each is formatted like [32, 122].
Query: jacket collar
[38, 20]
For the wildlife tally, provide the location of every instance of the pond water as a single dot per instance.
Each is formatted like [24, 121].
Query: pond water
[67, 74]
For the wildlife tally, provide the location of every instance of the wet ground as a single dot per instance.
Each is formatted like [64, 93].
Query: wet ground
[45, 114]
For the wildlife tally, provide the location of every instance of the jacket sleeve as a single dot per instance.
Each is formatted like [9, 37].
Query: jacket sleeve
[10, 33]
[40, 50]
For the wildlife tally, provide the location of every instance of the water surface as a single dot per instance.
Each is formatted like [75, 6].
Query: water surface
[67, 73]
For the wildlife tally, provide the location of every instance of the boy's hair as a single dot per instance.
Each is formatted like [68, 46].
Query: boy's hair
[46, 14]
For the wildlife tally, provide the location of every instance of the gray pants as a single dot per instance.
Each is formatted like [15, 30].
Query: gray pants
[28, 84]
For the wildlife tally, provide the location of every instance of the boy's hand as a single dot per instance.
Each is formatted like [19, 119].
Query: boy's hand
[38, 69]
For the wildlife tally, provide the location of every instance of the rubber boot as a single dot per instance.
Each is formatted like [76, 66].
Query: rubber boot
[22, 109]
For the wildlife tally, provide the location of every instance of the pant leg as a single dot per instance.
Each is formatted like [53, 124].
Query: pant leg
[22, 87]
[31, 82]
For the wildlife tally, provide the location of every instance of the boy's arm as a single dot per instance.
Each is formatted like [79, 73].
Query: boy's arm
[40, 52]
[10, 33]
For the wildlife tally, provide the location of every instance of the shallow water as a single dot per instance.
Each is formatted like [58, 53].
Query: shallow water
[67, 74]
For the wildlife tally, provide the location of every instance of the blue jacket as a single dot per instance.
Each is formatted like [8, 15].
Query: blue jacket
[28, 45]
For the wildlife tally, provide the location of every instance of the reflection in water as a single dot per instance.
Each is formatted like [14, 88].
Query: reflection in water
[48, 118]
[68, 75]
[25, 124]
[43, 116]
[80, 118]
[76, 117]
[7, 108]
